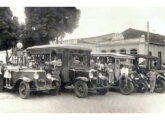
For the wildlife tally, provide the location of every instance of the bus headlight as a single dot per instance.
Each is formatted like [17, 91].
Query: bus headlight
[48, 76]
[36, 76]
[90, 75]
[100, 75]
[164, 74]
[142, 75]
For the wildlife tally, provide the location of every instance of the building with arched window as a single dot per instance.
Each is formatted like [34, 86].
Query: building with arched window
[130, 41]
[103, 51]
[123, 51]
[133, 51]
[114, 51]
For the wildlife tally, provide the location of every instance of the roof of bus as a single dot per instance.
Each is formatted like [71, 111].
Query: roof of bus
[62, 46]
[144, 56]
[111, 54]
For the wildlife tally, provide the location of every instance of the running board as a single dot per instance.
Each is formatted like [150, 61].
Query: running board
[114, 87]
[10, 88]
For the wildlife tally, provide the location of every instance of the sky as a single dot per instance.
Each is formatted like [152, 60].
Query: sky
[95, 21]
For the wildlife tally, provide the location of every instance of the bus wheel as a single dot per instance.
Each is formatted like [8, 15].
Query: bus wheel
[126, 89]
[81, 89]
[24, 90]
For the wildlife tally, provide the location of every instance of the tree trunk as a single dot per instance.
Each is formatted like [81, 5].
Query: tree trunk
[7, 56]
[10, 56]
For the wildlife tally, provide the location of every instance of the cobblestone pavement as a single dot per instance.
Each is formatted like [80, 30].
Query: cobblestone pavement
[68, 102]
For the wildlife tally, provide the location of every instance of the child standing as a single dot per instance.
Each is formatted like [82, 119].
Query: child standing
[7, 74]
[152, 74]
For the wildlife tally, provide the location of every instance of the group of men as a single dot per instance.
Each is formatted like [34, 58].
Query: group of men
[109, 68]
[121, 71]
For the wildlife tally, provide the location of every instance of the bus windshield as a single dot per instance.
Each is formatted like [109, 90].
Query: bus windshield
[77, 60]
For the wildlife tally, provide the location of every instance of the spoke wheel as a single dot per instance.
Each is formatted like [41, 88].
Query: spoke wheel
[81, 89]
[126, 89]
[143, 87]
[24, 90]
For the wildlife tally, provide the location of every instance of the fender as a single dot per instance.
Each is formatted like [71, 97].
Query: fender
[26, 79]
[58, 84]
[93, 70]
[82, 78]
[103, 78]
[54, 79]
[127, 79]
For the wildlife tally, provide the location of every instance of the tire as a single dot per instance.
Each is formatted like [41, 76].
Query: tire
[24, 90]
[102, 91]
[62, 87]
[143, 87]
[1, 83]
[126, 90]
[1, 88]
[54, 92]
[81, 89]
[159, 86]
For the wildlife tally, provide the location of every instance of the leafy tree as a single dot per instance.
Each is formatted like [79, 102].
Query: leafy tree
[45, 24]
[8, 29]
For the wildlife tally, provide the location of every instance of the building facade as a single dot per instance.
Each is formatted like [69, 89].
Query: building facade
[130, 41]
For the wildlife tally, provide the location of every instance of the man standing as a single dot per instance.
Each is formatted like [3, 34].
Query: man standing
[124, 72]
[1, 77]
[152, 74]
[110, 70]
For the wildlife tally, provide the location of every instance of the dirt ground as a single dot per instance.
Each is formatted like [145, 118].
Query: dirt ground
[67, 102]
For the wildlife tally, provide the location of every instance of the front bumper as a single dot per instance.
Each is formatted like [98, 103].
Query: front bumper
[46, 88]
[99, 88]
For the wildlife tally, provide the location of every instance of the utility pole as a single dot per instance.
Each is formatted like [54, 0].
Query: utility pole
[148, 37]
[148, 43]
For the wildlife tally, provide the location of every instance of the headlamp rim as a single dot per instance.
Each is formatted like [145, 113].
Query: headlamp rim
[35, 75]
[90, 75]
[48, 76]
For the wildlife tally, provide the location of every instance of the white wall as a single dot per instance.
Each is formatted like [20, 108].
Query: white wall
[3, 55]
[155, 49]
